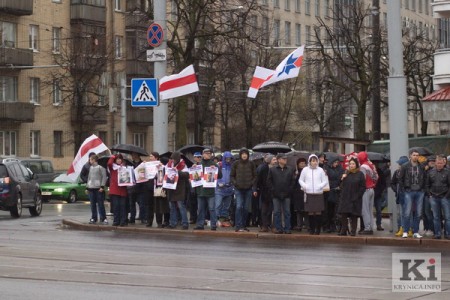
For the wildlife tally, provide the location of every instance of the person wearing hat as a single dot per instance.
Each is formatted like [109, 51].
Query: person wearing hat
[281, 181]
[243, 178]
[206, 196]
[313, 181]
[117, 194]
[224, 191]
[412, 182]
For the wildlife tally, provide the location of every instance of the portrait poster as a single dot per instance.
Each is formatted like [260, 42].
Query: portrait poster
[210, 177]
[159, 175]
[170, 179]
[195, 175]
[125, 176]
[139, 173]
[151, 169]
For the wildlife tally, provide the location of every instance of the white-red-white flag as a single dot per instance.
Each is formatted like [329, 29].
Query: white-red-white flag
[91, 144]
[179, 84]
[288, 68]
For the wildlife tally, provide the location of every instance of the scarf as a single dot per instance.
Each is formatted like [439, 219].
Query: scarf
[180, 166]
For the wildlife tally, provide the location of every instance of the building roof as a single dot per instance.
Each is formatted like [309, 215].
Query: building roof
[440, 95]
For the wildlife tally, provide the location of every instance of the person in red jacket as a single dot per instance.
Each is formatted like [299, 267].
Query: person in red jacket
[117, 194]
[371, 177]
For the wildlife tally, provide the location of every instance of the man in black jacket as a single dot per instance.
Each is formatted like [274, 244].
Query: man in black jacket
[438, 189]
[84, 174]
[264, 193]
[243, 178]
[281, 181]
[412, 183]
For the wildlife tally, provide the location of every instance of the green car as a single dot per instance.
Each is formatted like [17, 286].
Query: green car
[64, 188]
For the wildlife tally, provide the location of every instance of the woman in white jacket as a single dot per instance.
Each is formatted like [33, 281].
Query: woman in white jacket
[313, 180]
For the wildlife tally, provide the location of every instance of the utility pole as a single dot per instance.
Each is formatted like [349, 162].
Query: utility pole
[376, 53]
[161, 112]
[398, 118]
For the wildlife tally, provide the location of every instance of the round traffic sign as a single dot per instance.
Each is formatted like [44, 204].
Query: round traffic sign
[155, 35]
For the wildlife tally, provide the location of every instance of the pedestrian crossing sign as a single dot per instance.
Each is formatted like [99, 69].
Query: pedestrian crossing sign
[144, 92]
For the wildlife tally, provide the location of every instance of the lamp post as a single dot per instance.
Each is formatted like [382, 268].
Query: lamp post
[376, 53]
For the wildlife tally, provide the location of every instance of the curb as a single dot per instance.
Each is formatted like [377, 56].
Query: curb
[332, 239]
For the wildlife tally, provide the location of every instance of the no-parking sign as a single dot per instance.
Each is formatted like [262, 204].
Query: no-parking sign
[155, 35]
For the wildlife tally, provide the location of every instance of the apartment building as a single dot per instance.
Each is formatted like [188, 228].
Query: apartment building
[48, 47]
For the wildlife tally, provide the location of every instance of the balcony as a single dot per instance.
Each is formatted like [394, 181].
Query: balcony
[16, 57]
[20, 112]
[139, 67]
[441, 9]
[88, 64]
[81, 11]
[140, 116]
[136, 20]
[89, 115]
[15, 7]
[441, 75]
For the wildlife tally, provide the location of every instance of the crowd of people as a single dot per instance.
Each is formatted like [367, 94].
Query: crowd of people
[318, 194]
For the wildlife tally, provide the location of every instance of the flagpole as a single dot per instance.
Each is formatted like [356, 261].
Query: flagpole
[161, 112]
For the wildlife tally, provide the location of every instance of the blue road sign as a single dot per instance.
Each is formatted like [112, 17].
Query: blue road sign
[144, 92]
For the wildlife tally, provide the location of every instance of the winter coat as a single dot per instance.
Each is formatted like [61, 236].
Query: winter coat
[353, 188]
[85, 172]
[298, 196]
[334, 178]
[243, 175]
[281, 181]
[181, 192]
[114, 188]
[368, 169]
[261, 182]
[224, 186]
[313, 180]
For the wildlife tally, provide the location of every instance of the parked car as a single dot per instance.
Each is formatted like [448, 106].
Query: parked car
[65, 188]
[43, 168]
[18, 189]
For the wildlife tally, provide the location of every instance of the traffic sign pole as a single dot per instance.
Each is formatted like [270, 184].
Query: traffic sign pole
[161, 112]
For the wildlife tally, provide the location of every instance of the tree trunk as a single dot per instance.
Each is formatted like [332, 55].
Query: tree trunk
[181, 130]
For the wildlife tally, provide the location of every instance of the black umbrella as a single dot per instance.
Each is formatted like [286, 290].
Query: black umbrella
[257, 155]
[191, 149]
[424, 151]
[128, 148]
[272, 147]
[377, 157]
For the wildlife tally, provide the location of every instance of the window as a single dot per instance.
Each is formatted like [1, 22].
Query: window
[56, 1]
[8, 34]
[8, 89]
[406, 4]
[308, 34]
[287, 33]
[139, 139]
[103, 136]
[56, 39]
[35, 142]
[57, 143]
[118, 41]
[265, 2]
[117, 5]
[298, 5]
[326, 8]
[298, 34]
[33, 37]
[35, 87]
[117, 137]
[8, 143]
[427, 5]
[317, 8]
[420, 6]
[276, 32]
[265, 27]
[276, 3]
[56, 92]
[307, 7]
[287, 4]
[413, 5]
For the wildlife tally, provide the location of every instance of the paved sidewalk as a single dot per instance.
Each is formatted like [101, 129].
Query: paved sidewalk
[378, 238]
